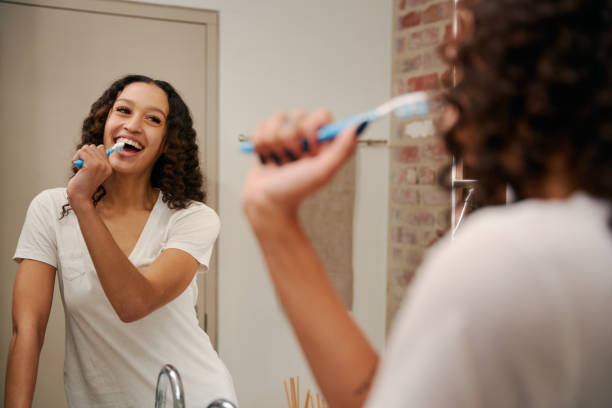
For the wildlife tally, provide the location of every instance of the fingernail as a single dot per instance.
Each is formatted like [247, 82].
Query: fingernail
[290, 155]
[305, 146]
[262, 159]
[275, 157]
[361, 128]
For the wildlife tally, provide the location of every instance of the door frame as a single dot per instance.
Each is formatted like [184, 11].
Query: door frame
[207, 137]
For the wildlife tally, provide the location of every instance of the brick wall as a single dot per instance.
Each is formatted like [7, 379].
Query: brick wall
[419, 210]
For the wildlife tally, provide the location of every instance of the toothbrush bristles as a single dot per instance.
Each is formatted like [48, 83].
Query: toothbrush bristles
[119, 146]
[400, 101]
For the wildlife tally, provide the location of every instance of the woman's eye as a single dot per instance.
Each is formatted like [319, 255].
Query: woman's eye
[155, 119]
[123, 109]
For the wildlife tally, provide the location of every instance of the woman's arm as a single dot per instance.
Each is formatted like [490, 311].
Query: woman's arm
[32, 299]
[340, 356]
[133, 294]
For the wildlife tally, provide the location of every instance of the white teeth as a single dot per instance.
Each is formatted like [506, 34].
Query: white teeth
[130, 142]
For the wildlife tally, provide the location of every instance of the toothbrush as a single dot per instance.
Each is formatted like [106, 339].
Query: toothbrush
[403, 106]
[117, 147]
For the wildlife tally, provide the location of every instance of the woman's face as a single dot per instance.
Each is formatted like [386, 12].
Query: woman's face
[138, 118]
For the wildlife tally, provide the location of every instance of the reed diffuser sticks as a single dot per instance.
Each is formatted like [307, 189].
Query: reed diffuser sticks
[292, 392]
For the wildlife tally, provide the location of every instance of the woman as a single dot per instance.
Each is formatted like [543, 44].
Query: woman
[514, 312]
[126, 236]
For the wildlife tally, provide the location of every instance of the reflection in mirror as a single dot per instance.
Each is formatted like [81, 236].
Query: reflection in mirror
[129, 262]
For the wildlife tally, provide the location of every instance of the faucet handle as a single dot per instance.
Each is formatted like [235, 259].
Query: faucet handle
[221, 403]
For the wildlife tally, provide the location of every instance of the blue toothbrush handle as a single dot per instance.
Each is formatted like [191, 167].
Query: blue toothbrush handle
[79, 163]
[247, 147]
[330, 131]
[324, 134]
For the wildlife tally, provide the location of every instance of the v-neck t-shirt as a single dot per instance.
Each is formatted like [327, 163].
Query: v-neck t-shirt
[109, 363]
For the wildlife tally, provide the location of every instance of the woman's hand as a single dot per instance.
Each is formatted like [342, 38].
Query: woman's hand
[96, 168]
[294, 165]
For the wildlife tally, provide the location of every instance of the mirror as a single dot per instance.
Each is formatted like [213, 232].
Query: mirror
[271, 55]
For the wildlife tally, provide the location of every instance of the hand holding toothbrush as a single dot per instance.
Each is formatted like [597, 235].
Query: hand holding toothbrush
[117, 147]
[94, 169]
[294, 163]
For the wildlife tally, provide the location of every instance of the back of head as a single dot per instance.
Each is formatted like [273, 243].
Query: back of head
[534, 82]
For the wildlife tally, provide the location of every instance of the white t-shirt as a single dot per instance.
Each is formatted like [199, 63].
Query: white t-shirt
[109, 363]
[514, 312]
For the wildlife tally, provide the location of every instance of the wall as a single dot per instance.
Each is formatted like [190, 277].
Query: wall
[419, 211]
[278, 54]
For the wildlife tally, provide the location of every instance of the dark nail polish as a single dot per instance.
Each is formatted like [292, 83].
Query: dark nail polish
[262, 159]
[362, 127]
[275, 157]
[305, 146]
[290, 155]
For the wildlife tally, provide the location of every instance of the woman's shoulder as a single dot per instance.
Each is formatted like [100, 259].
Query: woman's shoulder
[194, 212]
[536, 221]
[521, 241]
[53, 197]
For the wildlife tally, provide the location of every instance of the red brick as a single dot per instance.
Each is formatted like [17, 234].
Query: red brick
[404, 276]
[398, 176]
[437, 12]
[414, 3]
[423, 38]
[411, 64]
[399, 87]
[405, 196]
[423, 83]
[397, 255]
[411, 3]
[403, 235]
[448, 32]
[411, 175]
[402, 176]
[400, 44]
[444, 218]
[446, 79]
[414, 257]
[435, 197]
[409, 154]
[396, 215]
[432, 59]
[435, 151]
[427, 237]
[409, 20]
[420, 218]
[427, 175]
[399, 132]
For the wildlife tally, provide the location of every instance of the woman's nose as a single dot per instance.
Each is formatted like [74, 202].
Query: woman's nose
[132, 124]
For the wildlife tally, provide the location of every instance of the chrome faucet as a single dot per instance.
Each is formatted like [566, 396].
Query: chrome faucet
[221, 403]
[169, 374]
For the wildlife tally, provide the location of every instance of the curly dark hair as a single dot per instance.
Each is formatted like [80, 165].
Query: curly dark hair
[535, 80]
[177, 171]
